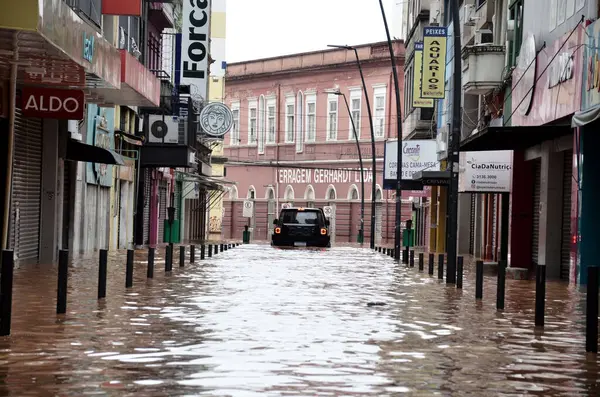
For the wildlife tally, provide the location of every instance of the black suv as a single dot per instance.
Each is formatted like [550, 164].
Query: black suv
[301, 227]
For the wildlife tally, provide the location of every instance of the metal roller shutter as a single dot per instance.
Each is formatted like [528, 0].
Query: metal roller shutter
[147, 196]
[26, 189]
[536, 211]
[472, 224]
[565, 251]
[162, 208]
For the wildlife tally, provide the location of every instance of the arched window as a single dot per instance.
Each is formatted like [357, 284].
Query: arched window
[331, 193]
[309, 196]
[233, 193]
[289, 193]
[353, 193]
[378, 193]
[251, 193]
[261, 124]
[300, 122]
[270, 194]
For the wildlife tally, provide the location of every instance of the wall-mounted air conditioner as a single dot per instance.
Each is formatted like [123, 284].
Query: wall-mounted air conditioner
[484, 36]
[163, 131]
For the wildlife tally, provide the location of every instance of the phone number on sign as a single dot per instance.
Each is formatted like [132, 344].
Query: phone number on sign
[486, 176]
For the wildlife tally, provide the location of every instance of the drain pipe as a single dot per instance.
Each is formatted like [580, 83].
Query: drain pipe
[11, 142]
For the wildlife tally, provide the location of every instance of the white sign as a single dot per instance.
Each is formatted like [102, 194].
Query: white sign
[195, 46]
[285, 206]
[328, 210]
[416, 156]
[322, 176]
[485, 172]
[248, 211]
[216, 119]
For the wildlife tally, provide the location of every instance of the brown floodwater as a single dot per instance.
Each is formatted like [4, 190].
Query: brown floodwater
[258, 321]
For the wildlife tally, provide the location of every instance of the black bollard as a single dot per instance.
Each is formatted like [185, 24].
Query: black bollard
[421, 259]
[540, 295]
[412, 258]
[63, 274]
[129, 269]
[431, 263]
[167, 258]
[102, 268]
[182, 256]
[210, 248]
[391, 252]
[591, 315]
[150, 272]
[378, 249]
[405, 256]
[459, 272]
[171, 253]
[501, 285]
[216, 249]
[6, 290]
[225, 247]
[202, 252]
[479, 280]
[192, 253]
[441, 266]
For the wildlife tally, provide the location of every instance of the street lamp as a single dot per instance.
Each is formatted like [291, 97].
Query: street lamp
[399, 123]
[361, 232]
[374, 166]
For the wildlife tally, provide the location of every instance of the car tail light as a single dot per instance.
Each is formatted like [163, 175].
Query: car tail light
[277, 230]
[323, 231]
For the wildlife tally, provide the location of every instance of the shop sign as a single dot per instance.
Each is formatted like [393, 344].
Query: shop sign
[131, 8]
[195, 46]
[322, 175]
[558, 70]
[88, 47]
[417, 101]
[126, 172]
[51, 103]
[434, 62]
[485, 172]
[591, 70]
[101, 133]
[55, 72]
[417, 155]
[216, 119]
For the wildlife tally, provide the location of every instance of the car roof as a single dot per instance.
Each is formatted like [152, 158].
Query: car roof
[301, 208]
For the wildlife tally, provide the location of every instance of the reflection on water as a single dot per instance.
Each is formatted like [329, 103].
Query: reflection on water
[258, 321]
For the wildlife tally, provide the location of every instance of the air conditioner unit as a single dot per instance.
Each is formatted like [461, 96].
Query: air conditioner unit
[484, 36]
[163, 131]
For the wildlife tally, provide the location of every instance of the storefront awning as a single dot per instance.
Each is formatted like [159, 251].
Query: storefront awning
[432, 178]
[584, 117]
[78, 151]
[512, 138]
[129, 138]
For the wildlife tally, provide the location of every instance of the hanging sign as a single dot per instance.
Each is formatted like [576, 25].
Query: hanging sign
[485, 172]
[417, 100]
[216, 119]
[434, 62]
[52, 103]
[194, 47]
[248, 210]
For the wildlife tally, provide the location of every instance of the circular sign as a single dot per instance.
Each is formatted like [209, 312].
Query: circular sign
[327, 211]
[216, 119]
[248, 204]
[526, 70]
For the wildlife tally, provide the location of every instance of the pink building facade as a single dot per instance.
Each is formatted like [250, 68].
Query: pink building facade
[293, 142]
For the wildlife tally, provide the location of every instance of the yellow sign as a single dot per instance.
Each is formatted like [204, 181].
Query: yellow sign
[417, 101]
[434, 62]
[20, 15]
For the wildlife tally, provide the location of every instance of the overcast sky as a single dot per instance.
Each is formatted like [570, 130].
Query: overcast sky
[266, 28]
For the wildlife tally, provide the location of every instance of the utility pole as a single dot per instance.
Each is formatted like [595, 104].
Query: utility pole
[454, 149]
[397, 242]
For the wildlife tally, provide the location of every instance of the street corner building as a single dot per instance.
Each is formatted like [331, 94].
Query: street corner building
[293, 143]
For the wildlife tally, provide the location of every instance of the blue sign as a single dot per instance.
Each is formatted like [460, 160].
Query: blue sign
[100, 132]
[88, 47]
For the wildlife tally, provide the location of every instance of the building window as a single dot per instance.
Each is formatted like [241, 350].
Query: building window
[332, 117]
[234, 137]
[300, 123]
[516, 13]
[355, 97]
[252, 123]
[271, 109]
[311, 118]
[261, 125]
[289, 120]
[380, 96]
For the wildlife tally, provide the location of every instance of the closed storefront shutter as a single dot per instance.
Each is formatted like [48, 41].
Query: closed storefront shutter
[162, 209]
[147, 197]
[565, 251]
[27, 177]
[536, 211]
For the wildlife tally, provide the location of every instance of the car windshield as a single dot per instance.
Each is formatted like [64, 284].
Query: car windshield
[301, 217]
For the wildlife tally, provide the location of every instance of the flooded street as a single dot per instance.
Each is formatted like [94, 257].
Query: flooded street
[258, 321]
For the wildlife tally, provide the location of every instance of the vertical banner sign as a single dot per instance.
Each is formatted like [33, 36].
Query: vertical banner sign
[248, 210]
[417, 101]
[195, 46]
[434, 62]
